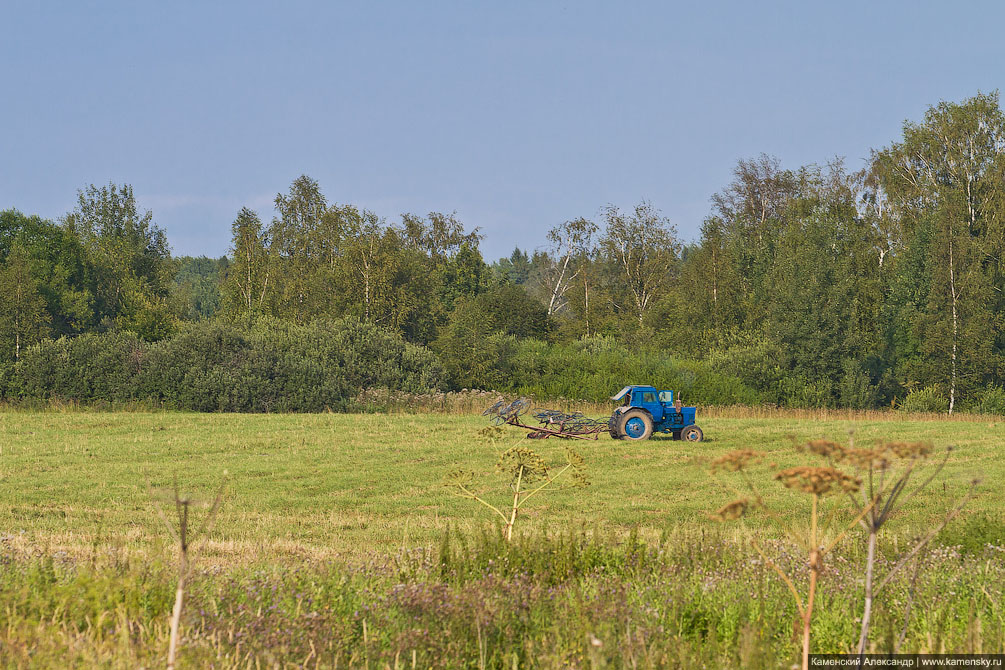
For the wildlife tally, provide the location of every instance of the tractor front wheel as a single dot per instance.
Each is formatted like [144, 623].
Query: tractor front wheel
[636, 424]
[691, 434]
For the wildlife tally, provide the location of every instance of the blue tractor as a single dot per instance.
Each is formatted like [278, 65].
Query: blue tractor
[644, 410]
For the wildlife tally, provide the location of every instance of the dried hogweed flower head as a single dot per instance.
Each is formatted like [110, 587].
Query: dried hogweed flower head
[523, 464]
[733, 510]
[491, 433]
[459, 481]
[825, 448]
[819, 481]
[735, 461]
[866, 458]
[909, 449]
[579, 477]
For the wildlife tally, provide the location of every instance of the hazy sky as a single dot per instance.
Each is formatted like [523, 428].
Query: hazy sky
[518, 115]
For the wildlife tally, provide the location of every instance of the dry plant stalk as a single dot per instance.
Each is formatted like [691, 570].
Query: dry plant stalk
[185, 537]
[887, 469]
[815, 481]
[529, 475]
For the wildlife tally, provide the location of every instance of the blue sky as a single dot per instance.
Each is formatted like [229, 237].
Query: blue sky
[518, 115]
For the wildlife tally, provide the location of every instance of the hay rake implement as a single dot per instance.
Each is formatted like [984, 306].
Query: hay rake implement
[569, 426]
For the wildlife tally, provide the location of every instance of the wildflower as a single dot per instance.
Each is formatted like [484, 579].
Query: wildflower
[459, 479]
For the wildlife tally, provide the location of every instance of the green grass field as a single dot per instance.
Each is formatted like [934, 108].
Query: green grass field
[344, 485]
[339, 547]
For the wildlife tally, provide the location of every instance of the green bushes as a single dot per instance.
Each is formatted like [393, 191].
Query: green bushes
[86, 368]
[594, 368]
[589, 369]
[216, 366]
[280, 366]
[928, 399]
[989, 401]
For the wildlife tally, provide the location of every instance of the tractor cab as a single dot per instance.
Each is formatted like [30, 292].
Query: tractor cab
[644, 410]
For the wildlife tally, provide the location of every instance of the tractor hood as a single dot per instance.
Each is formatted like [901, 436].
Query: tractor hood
[621, 394]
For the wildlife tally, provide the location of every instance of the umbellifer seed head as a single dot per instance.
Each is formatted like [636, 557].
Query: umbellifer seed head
[735, 461]
[733, 510]
[819, 481]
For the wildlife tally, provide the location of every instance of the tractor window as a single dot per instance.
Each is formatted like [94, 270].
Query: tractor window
[648, 396]
[666, 397]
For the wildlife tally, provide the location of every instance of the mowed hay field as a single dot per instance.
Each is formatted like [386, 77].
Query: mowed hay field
[338, 547]
[346, 485]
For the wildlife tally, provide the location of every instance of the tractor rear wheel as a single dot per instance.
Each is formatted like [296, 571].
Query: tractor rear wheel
[691, 433]
[636, 424]
[613, 425]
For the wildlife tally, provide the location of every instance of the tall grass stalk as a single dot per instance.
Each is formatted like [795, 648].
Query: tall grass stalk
[185, 537]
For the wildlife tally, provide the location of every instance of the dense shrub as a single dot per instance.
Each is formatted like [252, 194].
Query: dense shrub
[594, 368]
[473, 354]
[216, 366]
[362, 354]
[928, 399]
[6, 379]
[86, 368]
[173, 369]
[276, 365]
[989, 401]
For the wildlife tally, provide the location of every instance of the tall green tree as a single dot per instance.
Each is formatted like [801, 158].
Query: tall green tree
[249, 273]
[747, 217]
[464, 275]
[293, 242]
[195, 290]
[571, 243]
[515, 269]
[644, 248]
[946, 184]
[826, 307]
[373, 261]
[59, 266]
[131, 259]
[23, 317]
[440, 257]
[440, 236]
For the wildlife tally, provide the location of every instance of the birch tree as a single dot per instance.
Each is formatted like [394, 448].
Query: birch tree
[23, 318]
[571, 243]
[249, 276]
[130, 256]
[644, 247]
[294, 245]
[947, 182]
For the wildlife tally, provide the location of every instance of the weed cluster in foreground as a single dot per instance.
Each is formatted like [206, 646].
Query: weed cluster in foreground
[573, 598]
[881, 482]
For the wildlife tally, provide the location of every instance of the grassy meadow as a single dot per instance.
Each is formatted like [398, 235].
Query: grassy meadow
[337, 545]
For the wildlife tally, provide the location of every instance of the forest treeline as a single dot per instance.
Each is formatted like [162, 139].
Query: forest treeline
[809, 287]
